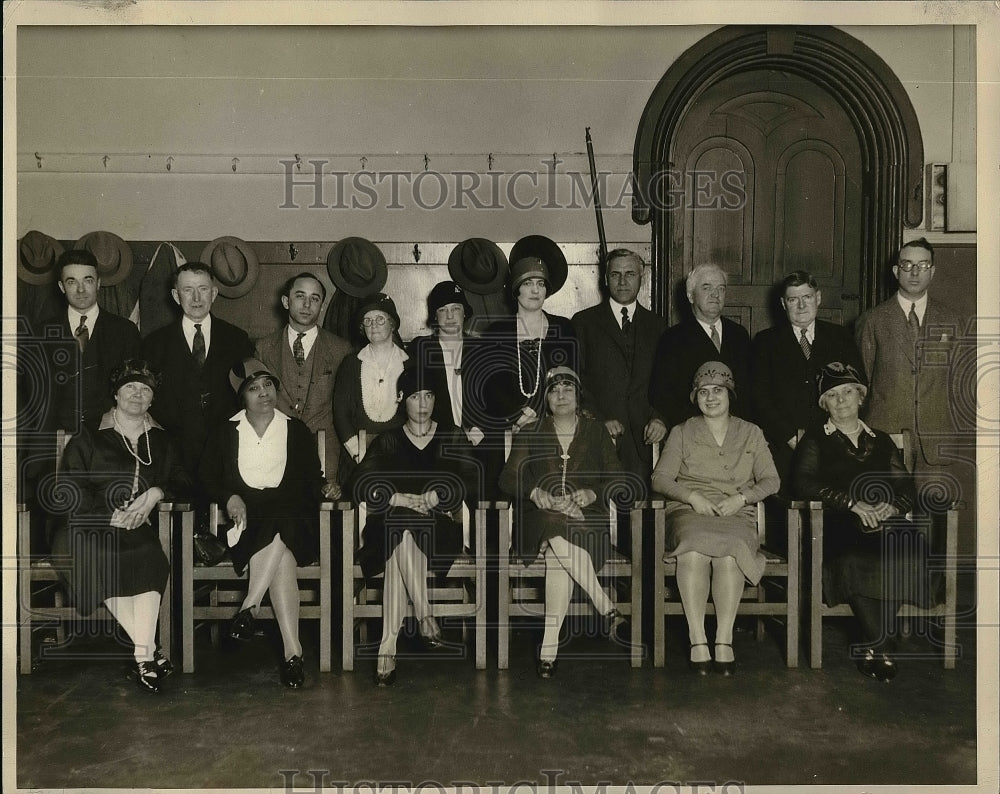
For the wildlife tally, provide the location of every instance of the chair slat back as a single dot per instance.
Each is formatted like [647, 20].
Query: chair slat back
[904, 443]
[321, 449]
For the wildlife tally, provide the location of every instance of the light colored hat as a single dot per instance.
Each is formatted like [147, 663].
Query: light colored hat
[712, 373]
[561, 375]
[234, 265]
[37, 255]
[113, 255]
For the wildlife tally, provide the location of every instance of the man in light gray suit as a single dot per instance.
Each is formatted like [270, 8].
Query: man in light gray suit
[906, 344]
[305, 358]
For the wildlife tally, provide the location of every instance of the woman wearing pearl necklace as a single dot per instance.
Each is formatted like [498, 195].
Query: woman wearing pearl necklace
[116, 476]
[562, 472]
[873, 558]
[414, 483]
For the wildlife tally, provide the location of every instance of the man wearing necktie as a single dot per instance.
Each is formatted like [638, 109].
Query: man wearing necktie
[100, 342]
[306, 358]
[617, 341]
[907, 344]
[703, 336]
[787, 360]
[194, 355]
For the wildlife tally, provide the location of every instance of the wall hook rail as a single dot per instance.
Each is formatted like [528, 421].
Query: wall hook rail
[236, 161]
[416, 252]
[38, 157]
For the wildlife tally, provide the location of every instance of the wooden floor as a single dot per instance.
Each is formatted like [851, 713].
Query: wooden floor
[231, 724]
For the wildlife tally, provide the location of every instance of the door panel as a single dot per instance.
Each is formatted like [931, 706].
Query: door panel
[773, 183]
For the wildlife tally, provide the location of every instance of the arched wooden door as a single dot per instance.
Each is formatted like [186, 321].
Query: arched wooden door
[772, 183]
[769, 149]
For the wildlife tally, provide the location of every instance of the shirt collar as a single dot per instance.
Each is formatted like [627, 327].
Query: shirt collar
[240, 418]
[830, 428]
[616, 308]
[307, 336]
[206, 324]
[108, 421]
[366, 354]
[920, 304]
[91, 315]
[708, 326]
[810, 331]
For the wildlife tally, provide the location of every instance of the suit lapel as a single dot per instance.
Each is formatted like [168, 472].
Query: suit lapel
[612, 329]
[899, 329]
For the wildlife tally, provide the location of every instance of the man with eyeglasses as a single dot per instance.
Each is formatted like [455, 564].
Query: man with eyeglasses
[618, 340]
[306, 358]
[787, 360]
[905, 343]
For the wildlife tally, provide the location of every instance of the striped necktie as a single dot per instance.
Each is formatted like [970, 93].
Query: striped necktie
[913, 321]
[716, 339]
[198, 345]
[804, 344]
[82, 333]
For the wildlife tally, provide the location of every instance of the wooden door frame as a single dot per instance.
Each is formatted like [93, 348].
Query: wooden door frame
[892, 149]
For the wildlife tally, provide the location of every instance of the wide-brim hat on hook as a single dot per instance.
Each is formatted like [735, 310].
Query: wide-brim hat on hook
[37, 255]
[357, 267]
[234, 265]
[536, 246]
[478, 265]
[113, 255]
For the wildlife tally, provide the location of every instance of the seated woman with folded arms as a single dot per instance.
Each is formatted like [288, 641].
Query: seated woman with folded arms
[562, 471]
[714, 469]
[414, 486]
[873, 558]
[262, 468]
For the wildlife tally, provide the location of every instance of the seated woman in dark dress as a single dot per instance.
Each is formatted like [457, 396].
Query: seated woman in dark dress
[117, 475]
[873, 558]
[714, 469]
[414, 489]
[262, 467]
[561, 472]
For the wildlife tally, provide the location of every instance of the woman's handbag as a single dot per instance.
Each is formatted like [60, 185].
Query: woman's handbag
[208, 549]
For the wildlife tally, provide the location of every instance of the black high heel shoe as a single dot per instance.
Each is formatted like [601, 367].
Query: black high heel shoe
[724, 668]
[878, 666]
[612, 621]
[162, 663]
[701, 668]
[292, 675]
[242, 626]
[430, 633]
[145, 676]
[546, 668]
[385, 671]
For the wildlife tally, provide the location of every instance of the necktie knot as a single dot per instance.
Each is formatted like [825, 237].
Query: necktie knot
[626, 322]
[804, 343]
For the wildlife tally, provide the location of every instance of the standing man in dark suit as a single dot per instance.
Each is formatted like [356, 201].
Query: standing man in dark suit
[305, 358]
[705, 336]
[787, 360]
[618, 339]
[905, 343]
[194, 355]
[96, 343]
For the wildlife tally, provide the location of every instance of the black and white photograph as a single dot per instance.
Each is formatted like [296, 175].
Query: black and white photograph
[501, 396]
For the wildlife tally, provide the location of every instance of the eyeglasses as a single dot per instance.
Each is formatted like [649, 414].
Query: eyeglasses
[906, 265]
[378, 319]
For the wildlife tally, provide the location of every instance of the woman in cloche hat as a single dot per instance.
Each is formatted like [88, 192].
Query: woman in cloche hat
[714, 468]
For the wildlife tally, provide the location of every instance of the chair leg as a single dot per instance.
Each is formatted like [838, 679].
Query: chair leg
[816, 590]
[503, 593]
[325, 593]
[24, 585]
[951, 591]
[792, 592]
[659, 591]
[481, 588]
[347, 590]
[636, 582]
[187, 592]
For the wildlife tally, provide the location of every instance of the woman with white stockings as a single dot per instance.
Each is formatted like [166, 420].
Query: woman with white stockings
[113, 478]
[262, 467]
[713, 469]
[562, 472]
[414, 484]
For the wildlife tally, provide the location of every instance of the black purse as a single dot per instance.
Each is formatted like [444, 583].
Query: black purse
[208, 549]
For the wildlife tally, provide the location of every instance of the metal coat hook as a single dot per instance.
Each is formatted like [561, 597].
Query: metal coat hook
[105, 160]
[427, 162]
[292, 250]
[170, 161]
[489, 161]
[38, 157]
[298, 167]
[236, 160]
[416, 252]
[364, 163]
[555, 160]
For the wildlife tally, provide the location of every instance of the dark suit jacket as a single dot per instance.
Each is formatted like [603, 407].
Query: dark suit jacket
[189, 402]
[685, 347]
[81, 385]
[318, 376]
[785, 395]
[910, 384]
[616, 371]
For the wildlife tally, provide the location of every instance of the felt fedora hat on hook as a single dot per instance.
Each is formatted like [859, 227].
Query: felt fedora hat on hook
[478, 265]
[113, 255]
[357, 267]
[37, 255]
[234, 265]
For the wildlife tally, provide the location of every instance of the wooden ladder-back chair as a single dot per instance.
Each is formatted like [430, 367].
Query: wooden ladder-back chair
[781, 574]
[946, 610]
[211, 593]
[42, 599]
[522, 588]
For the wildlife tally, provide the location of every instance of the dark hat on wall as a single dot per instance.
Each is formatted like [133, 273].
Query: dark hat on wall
[377, 302]
[836, 374]
[37, 255]
[234, 265]
[478, 265]
[357, 267]
[247, 371]
[538, 247]
[443, 293]
[113, 255]
[712, 373]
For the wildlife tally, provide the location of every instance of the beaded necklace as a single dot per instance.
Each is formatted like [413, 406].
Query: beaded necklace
[538, 372]
[135, 453]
